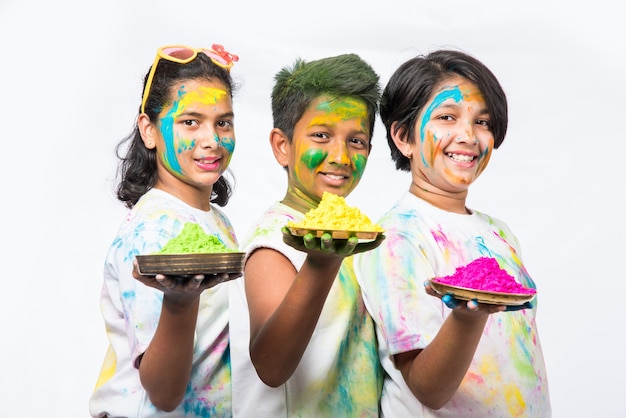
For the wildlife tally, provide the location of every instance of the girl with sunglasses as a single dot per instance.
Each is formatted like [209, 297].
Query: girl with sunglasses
[169, 353]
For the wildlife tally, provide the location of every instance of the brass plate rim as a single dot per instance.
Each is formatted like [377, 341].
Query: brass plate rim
[483, 296]
[336, 234]
[190, 263]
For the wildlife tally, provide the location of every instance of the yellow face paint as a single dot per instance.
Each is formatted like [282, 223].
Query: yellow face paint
[174, 144]
[202, 95]
[330, 146]
[340, 110]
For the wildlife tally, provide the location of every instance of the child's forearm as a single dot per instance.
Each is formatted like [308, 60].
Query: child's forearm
[166, 365]
[435, 373]
[278, 347]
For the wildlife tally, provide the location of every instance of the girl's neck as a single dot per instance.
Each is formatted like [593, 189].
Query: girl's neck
[199, 199]
[450, 202]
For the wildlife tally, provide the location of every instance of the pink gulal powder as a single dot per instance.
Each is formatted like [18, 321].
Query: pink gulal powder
[485, 274]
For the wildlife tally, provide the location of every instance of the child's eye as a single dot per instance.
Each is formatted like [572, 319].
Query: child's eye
[358, 143]
[446, 117]
[320, 135]
[189, 122]
[483, 122]
[225, 124]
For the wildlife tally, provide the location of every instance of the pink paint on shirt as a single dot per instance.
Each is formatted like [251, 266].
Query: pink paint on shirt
[485, 274]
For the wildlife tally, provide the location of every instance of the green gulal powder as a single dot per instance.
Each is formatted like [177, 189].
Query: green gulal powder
[193, 239]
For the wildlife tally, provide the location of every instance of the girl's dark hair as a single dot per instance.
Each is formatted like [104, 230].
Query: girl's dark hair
[344, 75]
[137, 170]
[413, 83]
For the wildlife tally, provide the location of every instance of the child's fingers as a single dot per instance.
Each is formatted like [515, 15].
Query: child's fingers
[527, 305]
[450, 301]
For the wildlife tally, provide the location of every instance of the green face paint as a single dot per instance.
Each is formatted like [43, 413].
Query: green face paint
[329, 150]
[360, 161]
[313, 157]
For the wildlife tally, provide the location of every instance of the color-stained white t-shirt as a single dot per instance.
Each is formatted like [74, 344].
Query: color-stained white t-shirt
[507, 377]
[339, 374]
[131, 311]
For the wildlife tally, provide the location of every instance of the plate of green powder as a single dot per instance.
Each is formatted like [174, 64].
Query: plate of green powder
[192, 252]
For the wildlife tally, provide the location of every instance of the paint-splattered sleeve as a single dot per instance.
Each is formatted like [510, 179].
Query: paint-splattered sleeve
[153, 222]
[392, 280]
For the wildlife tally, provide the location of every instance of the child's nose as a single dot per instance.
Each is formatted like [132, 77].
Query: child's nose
[209, 140]
[467, 136]
[338, 154]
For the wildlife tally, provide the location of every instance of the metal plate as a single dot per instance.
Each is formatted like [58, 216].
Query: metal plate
[191, 264]
[364, 235]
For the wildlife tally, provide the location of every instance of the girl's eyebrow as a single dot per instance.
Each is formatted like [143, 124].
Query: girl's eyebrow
[199, 115]
[454, 105]
[448, 104]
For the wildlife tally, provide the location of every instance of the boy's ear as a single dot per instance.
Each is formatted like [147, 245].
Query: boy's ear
[280, 146]
[147, 131]
[401, 140]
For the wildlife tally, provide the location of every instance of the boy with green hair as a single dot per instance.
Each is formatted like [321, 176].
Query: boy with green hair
[302, 343]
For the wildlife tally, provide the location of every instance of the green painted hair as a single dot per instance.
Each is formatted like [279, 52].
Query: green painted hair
[341, 76]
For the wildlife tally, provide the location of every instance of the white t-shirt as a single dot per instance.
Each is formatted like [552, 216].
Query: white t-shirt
[339, 374]
[507, 377]
[131, 311]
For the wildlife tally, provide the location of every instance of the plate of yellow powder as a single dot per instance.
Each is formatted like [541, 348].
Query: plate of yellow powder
[192, 252]
[334, 216]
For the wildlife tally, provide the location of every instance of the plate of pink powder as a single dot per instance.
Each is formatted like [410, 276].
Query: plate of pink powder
[484, 281]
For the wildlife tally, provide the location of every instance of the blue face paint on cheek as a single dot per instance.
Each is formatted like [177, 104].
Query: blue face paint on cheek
[454, 94]
[167, 131]
[184, 144]
[169, 156]
[228, 144]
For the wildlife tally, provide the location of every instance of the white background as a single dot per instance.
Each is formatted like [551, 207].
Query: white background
[70, 88]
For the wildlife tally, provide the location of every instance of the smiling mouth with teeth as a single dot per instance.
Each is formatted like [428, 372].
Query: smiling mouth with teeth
[335, 176]
[207, 160]
[461, 158]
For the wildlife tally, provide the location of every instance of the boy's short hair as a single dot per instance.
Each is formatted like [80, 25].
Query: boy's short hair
[340, 76]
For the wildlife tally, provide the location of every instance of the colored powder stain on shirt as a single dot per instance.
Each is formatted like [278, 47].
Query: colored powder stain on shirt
[108, 367]
[334, 214]
[485, 274]
[514, 400]
[488, 366]
[193, 239]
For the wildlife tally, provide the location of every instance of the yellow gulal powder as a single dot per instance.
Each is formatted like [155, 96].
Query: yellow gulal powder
[334, 214]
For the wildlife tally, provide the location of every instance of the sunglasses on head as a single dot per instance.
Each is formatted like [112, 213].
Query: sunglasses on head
[184, 54]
